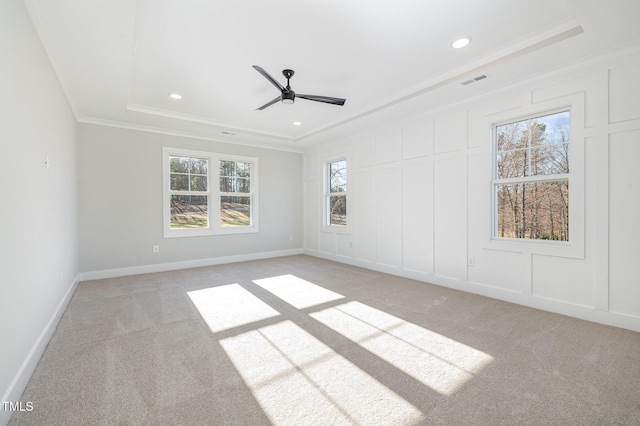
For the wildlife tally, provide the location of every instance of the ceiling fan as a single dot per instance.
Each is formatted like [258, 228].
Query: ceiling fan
[288, 96]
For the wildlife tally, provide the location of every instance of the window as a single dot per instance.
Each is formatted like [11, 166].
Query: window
[531, 178]
[189, 192]
[335, 195]
[235, 193]
[208, 194]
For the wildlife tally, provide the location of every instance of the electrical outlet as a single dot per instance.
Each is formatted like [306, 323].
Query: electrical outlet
[471, 261]
[156, 249]
[290, 237]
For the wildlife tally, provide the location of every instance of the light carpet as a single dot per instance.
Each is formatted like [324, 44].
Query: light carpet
[299, 340]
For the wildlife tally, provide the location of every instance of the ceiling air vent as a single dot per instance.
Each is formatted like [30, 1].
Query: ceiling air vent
[474, 79]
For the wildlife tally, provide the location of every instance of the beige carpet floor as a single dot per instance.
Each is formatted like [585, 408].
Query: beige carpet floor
[299, 340]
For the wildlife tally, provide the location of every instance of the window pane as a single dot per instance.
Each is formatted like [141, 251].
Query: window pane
[235, 211]
[227, 168]
[179, 165]
[198, 165]
[226, 184]
[338, 176]
[233, 184]
[179, 182]
[235, 177]
[536, 146]
[243, 184]
[188, 173]
[189, 211]
[338, 210]
[537, 210]
[244, 169]
[198, 183]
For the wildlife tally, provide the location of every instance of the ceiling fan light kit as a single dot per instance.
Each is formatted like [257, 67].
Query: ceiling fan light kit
[288, 96]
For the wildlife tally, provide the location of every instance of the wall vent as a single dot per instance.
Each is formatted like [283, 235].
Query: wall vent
[474, 79]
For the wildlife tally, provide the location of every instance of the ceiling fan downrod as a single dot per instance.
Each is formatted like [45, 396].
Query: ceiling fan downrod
[288, 95]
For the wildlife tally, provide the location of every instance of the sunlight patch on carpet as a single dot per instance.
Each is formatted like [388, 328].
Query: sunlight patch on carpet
[230, 306]
[297, 292]
[298, 380]
[437, 361]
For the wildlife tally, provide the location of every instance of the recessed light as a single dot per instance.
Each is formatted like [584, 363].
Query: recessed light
[297, 123]
[175, 96]
[461, 42]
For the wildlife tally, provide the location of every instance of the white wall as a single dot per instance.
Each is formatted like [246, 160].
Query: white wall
[38, 207]
[419, 197]
[120, 208]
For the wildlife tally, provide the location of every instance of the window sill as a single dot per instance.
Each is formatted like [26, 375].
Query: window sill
[568, 249]
[186, 233]
[344, 230]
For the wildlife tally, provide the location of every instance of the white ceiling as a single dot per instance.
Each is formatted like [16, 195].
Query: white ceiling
[118, 60]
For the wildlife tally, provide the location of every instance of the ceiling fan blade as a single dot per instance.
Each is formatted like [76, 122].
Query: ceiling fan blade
[268, 104]
[268, 77]
[325, 99]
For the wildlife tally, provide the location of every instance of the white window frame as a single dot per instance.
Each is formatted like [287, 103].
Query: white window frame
[573, 248]
[213, 194]
[326, 195]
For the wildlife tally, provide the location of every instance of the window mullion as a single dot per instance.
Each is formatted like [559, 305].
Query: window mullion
[528, 179]
[198, 193]
[214, 187]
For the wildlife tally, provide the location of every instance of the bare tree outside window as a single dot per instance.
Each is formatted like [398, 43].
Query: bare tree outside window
[336, 195]
[531, 184]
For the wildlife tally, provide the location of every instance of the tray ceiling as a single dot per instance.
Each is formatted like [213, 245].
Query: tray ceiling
[118, 60]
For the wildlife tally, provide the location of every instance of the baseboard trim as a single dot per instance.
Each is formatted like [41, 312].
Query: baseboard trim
[587, 313]
[173, 266]
[19, 383]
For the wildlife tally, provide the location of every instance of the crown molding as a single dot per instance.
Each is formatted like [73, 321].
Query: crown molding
[238, 140]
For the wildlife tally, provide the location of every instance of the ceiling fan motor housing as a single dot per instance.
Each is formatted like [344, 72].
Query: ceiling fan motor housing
[288, 96]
